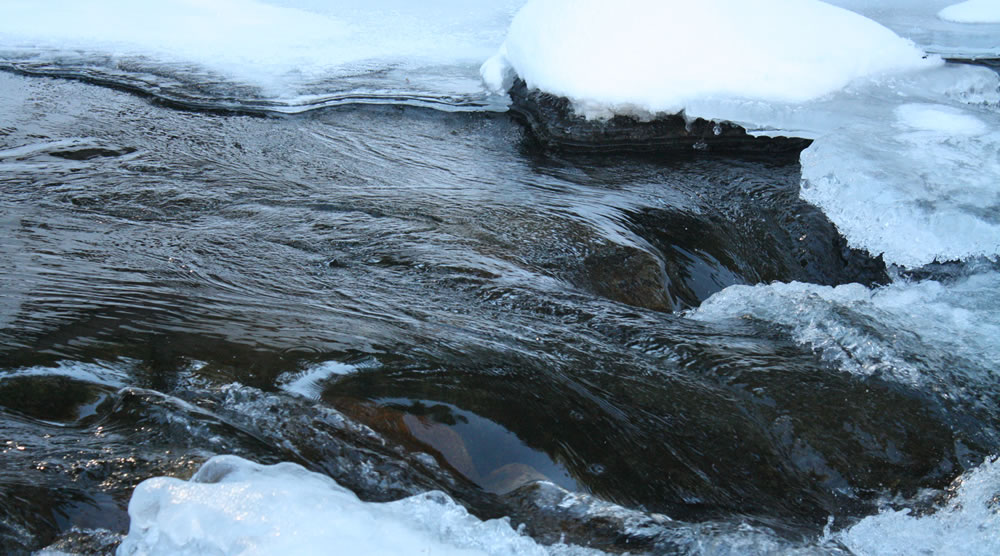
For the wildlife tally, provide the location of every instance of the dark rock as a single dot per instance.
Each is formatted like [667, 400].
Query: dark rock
[555, 124]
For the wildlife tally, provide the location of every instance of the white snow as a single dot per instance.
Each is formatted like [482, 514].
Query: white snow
[283, 47]
[234, 506]
[972, 11]
[967, 525]
[650, 56]
[905, 159]
[898, 331]
[939, 119]
[919, 21]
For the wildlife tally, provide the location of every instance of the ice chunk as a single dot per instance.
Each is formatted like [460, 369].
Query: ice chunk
[972, 11]
[233, 506]
[923, 186]
[903, 331]
[649, 56]
[967, 525]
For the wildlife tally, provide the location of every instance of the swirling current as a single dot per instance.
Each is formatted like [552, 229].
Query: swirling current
[687, 355]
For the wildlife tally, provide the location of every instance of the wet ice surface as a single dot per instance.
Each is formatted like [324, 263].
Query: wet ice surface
[241, 506]
[249, 55]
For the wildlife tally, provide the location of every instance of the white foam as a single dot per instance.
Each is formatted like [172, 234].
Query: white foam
[86, 372]
[967, 525]
[902, 331]
[233, 506]
[649, 56]
[308, 383]
[972, 11]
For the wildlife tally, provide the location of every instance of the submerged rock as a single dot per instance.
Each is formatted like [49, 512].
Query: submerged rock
[556, 125]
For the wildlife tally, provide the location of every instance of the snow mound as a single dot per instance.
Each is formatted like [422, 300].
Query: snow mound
[647, 57]
[234, 506]
[972, 11]
[967, 525]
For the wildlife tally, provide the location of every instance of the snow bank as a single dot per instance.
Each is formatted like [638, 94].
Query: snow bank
[233, 506]
[913, 332]
[650, 56]
[972, 11]
[967, 525]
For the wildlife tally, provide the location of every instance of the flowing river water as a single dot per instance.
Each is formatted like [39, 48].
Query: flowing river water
[631, 352]
[355, 287]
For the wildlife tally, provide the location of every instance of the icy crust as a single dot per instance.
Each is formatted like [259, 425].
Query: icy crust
[234, 506]
[282, 55]
[931, 25]
[923, 187]
[968, 524]
[648, 57]
[912, 332]
[972, 11]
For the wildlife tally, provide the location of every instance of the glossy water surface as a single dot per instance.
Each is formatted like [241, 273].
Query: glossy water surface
[504, 315]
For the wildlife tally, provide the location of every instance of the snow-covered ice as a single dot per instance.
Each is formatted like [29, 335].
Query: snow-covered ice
[920, 187]
[234, 506]
[291, 50]
[972, 11]
[922, 22]
[905, 159]
[649, 57]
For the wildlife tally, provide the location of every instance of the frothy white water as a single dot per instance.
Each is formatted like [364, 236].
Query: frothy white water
[920, 333]
[293, 52]
[309, 382]
[233, 506]
[103, 374]
[967, 525]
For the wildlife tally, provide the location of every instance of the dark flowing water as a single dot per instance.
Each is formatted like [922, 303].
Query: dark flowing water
[505, 314]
